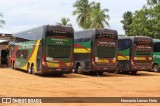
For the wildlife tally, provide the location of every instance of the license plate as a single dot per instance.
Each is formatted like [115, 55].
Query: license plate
[58, 69]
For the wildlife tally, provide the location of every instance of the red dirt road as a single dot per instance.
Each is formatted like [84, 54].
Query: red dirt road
[15, 83]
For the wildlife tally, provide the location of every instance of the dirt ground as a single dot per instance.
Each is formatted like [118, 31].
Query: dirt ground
[16, 83]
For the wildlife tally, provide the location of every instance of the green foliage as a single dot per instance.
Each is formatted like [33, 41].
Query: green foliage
[90, 15]
[98, 17]
[83, 8]
[145, 22]
[64, 21]
[153, 2]
[127, 21]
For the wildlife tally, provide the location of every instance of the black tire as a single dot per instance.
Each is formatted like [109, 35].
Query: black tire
[13, 65]
[134, 72]
[29, 69]
[100, 73]
[78, 69]
[32, 70]
[156, 68]
[59, 74]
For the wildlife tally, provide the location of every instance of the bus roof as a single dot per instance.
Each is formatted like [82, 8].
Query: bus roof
[36, 33]
[131, 37]
[91, 32]
[156, 40]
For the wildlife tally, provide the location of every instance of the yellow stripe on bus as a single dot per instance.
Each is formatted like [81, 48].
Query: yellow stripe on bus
[123, 58]
[77, 50]
[33, 57]
[53, 64]
[139, 58]
[102, 61]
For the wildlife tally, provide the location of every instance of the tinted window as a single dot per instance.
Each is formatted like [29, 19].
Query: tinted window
[58, 51]
[124, 44]
[82, 40]
[23, 54]
[156, 47]
[106, 52]
[143, 53]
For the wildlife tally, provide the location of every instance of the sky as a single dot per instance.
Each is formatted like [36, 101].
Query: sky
[21, 15]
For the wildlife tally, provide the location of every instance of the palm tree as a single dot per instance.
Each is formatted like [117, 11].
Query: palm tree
[153, 2]
[83, 8]
[1, 21]
[99, 17]
[64, 21]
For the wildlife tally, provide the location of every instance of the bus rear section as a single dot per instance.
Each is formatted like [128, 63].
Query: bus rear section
[45, 50]
[142, 58]
[58, 50]
[134, 54]
[95, 51]
[105, 51]
[156, 55]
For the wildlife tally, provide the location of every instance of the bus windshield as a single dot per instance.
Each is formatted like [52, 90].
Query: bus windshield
[106, 49]
[57, 51]
[106, 52]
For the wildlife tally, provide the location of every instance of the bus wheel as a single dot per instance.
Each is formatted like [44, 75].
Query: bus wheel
[13, 64]
[100, 73]
[116, 71]
[32, 70]
[155, 67]
[134, 72]
[59, 74]
[79, 71]
[29, 69]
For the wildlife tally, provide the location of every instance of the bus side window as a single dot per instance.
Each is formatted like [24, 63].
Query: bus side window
[156, 47]
[124, 44]
[120, 45]
[23, 54]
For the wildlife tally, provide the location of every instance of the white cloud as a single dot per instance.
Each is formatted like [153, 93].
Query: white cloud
[24, 14]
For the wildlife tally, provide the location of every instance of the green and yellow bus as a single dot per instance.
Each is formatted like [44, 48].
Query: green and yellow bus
[43, 50]
[95, 50]
[156, 55]
[135, 53]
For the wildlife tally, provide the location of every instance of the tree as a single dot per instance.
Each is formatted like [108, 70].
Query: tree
[83, 8]
[140, 23]
[1, 21]
[64, 21]
[99, 18]
[90, 15]
[146, 21]
[127, 21]
[156, 21]
[153, 2]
